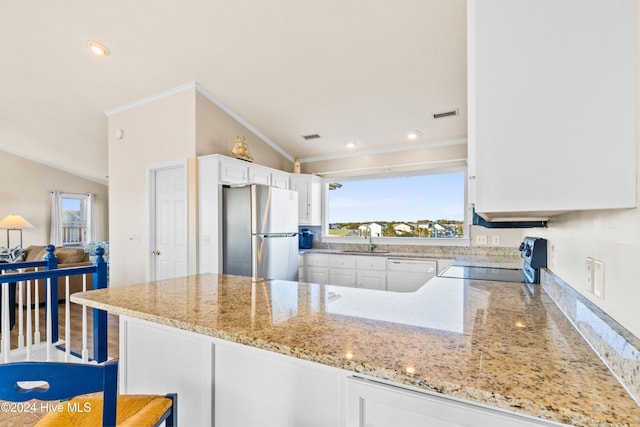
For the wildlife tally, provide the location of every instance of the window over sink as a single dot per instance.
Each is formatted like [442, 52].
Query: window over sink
[425, 206]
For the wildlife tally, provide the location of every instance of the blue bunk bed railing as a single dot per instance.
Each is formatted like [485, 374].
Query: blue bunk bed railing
[29, 344]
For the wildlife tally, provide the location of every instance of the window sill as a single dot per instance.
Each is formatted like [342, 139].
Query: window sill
[404, 241]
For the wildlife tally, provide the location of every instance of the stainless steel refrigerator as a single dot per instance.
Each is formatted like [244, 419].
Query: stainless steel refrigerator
[260, 229]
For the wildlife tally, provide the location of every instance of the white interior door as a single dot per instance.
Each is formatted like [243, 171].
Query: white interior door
[169, 240]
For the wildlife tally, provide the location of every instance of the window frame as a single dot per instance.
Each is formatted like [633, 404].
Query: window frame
[85, 199]
[407, 241]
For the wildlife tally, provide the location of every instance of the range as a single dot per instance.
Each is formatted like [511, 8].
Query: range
[533, 251]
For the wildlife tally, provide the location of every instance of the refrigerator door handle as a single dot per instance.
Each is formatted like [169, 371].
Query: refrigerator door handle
[271, 235]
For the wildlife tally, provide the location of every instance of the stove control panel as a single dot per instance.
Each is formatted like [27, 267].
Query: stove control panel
[533, 251]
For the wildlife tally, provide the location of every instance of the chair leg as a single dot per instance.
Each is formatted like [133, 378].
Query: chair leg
[172, 419]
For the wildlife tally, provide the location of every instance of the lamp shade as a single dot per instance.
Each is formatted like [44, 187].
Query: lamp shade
[14, 222]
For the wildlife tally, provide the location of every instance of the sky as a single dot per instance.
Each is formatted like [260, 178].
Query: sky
[437, 196]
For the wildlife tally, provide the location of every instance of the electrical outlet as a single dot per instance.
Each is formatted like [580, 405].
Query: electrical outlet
[589, 277]
[481, 239]
[495, 240]
[598, 278]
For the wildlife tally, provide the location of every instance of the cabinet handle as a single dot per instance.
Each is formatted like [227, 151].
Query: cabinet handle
[472, 177]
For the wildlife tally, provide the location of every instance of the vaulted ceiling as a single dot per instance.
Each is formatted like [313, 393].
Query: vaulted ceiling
[360, 70]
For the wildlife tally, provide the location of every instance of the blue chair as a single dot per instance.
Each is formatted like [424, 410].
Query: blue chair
[71, 383]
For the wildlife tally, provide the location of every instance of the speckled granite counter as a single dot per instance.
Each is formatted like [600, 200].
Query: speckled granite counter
[487, 342]
[504, 259]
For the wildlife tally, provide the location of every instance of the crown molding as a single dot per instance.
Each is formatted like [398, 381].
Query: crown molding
[195, 86]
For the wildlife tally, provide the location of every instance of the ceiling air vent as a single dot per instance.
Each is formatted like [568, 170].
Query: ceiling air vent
[312, 136]
[445, 114]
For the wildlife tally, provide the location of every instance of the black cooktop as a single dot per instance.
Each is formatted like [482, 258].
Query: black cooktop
[484, 273]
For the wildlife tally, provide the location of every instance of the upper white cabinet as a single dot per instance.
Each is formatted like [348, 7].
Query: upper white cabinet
[552, 106]
[309, 190]
[214, 171]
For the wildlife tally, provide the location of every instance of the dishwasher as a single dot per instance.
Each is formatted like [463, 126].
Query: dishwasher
[408, 275]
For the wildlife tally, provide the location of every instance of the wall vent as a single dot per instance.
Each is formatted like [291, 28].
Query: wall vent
[445, 114]
[312, 136]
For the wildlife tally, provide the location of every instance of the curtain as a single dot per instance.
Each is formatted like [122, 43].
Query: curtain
[56, 219]
[90, 220]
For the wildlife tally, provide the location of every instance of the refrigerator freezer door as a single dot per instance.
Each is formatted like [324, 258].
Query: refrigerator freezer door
[275, 210]
[236, 241]
[275, 256]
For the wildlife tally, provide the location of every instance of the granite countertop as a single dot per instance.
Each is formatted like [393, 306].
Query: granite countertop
[493, 343]
[506, 260]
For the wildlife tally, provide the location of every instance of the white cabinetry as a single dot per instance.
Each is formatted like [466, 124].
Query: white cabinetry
[371, 272]
[368, 272]
[374, 404]
[408, 275]
[280, 179]
[552, 106]
[255, 389]
[214, 171]
[217, 381]
[342, 270]
[309, 190]
[317, 268]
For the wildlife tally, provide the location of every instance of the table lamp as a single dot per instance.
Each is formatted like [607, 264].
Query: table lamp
[14, 222]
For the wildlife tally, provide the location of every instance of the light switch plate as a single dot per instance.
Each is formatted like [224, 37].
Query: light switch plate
[495, 240]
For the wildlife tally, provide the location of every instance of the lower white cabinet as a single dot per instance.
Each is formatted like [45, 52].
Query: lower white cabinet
[317, 275]
[408, 275]
[224, 384]
[342, 277]
[370, 279]
[374, 404]
[317, 268]
[255, 388]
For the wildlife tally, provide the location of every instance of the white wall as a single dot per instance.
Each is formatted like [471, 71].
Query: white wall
[153, 133]
[26, 190]
[175, 127]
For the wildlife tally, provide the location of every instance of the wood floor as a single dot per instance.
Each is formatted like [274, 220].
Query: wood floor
[10, 416]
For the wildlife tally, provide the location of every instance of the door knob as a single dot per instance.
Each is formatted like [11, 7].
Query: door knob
[156, 252]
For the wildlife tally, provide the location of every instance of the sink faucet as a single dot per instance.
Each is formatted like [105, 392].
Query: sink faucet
[368, 230]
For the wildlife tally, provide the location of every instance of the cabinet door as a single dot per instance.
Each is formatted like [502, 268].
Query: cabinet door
[259, 388]
[373, 404]
[280, 180]
[409, 275]
[233, 171]
[371, 279]
[342, 261]
[259, 175]
[552, 117]
[317, 260]
[342, 277]
[309, 198]
[371, 263]
[317, 275]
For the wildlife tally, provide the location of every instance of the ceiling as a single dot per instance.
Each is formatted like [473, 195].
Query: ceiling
[361, 70]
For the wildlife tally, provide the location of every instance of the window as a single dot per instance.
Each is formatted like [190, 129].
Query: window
[72, 219]
[420, 206]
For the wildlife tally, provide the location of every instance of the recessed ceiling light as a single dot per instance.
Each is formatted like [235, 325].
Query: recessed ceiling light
[350, 144]
[97, 48]
[413, 134]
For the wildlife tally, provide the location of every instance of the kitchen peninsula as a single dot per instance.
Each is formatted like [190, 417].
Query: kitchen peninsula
[287, 353]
